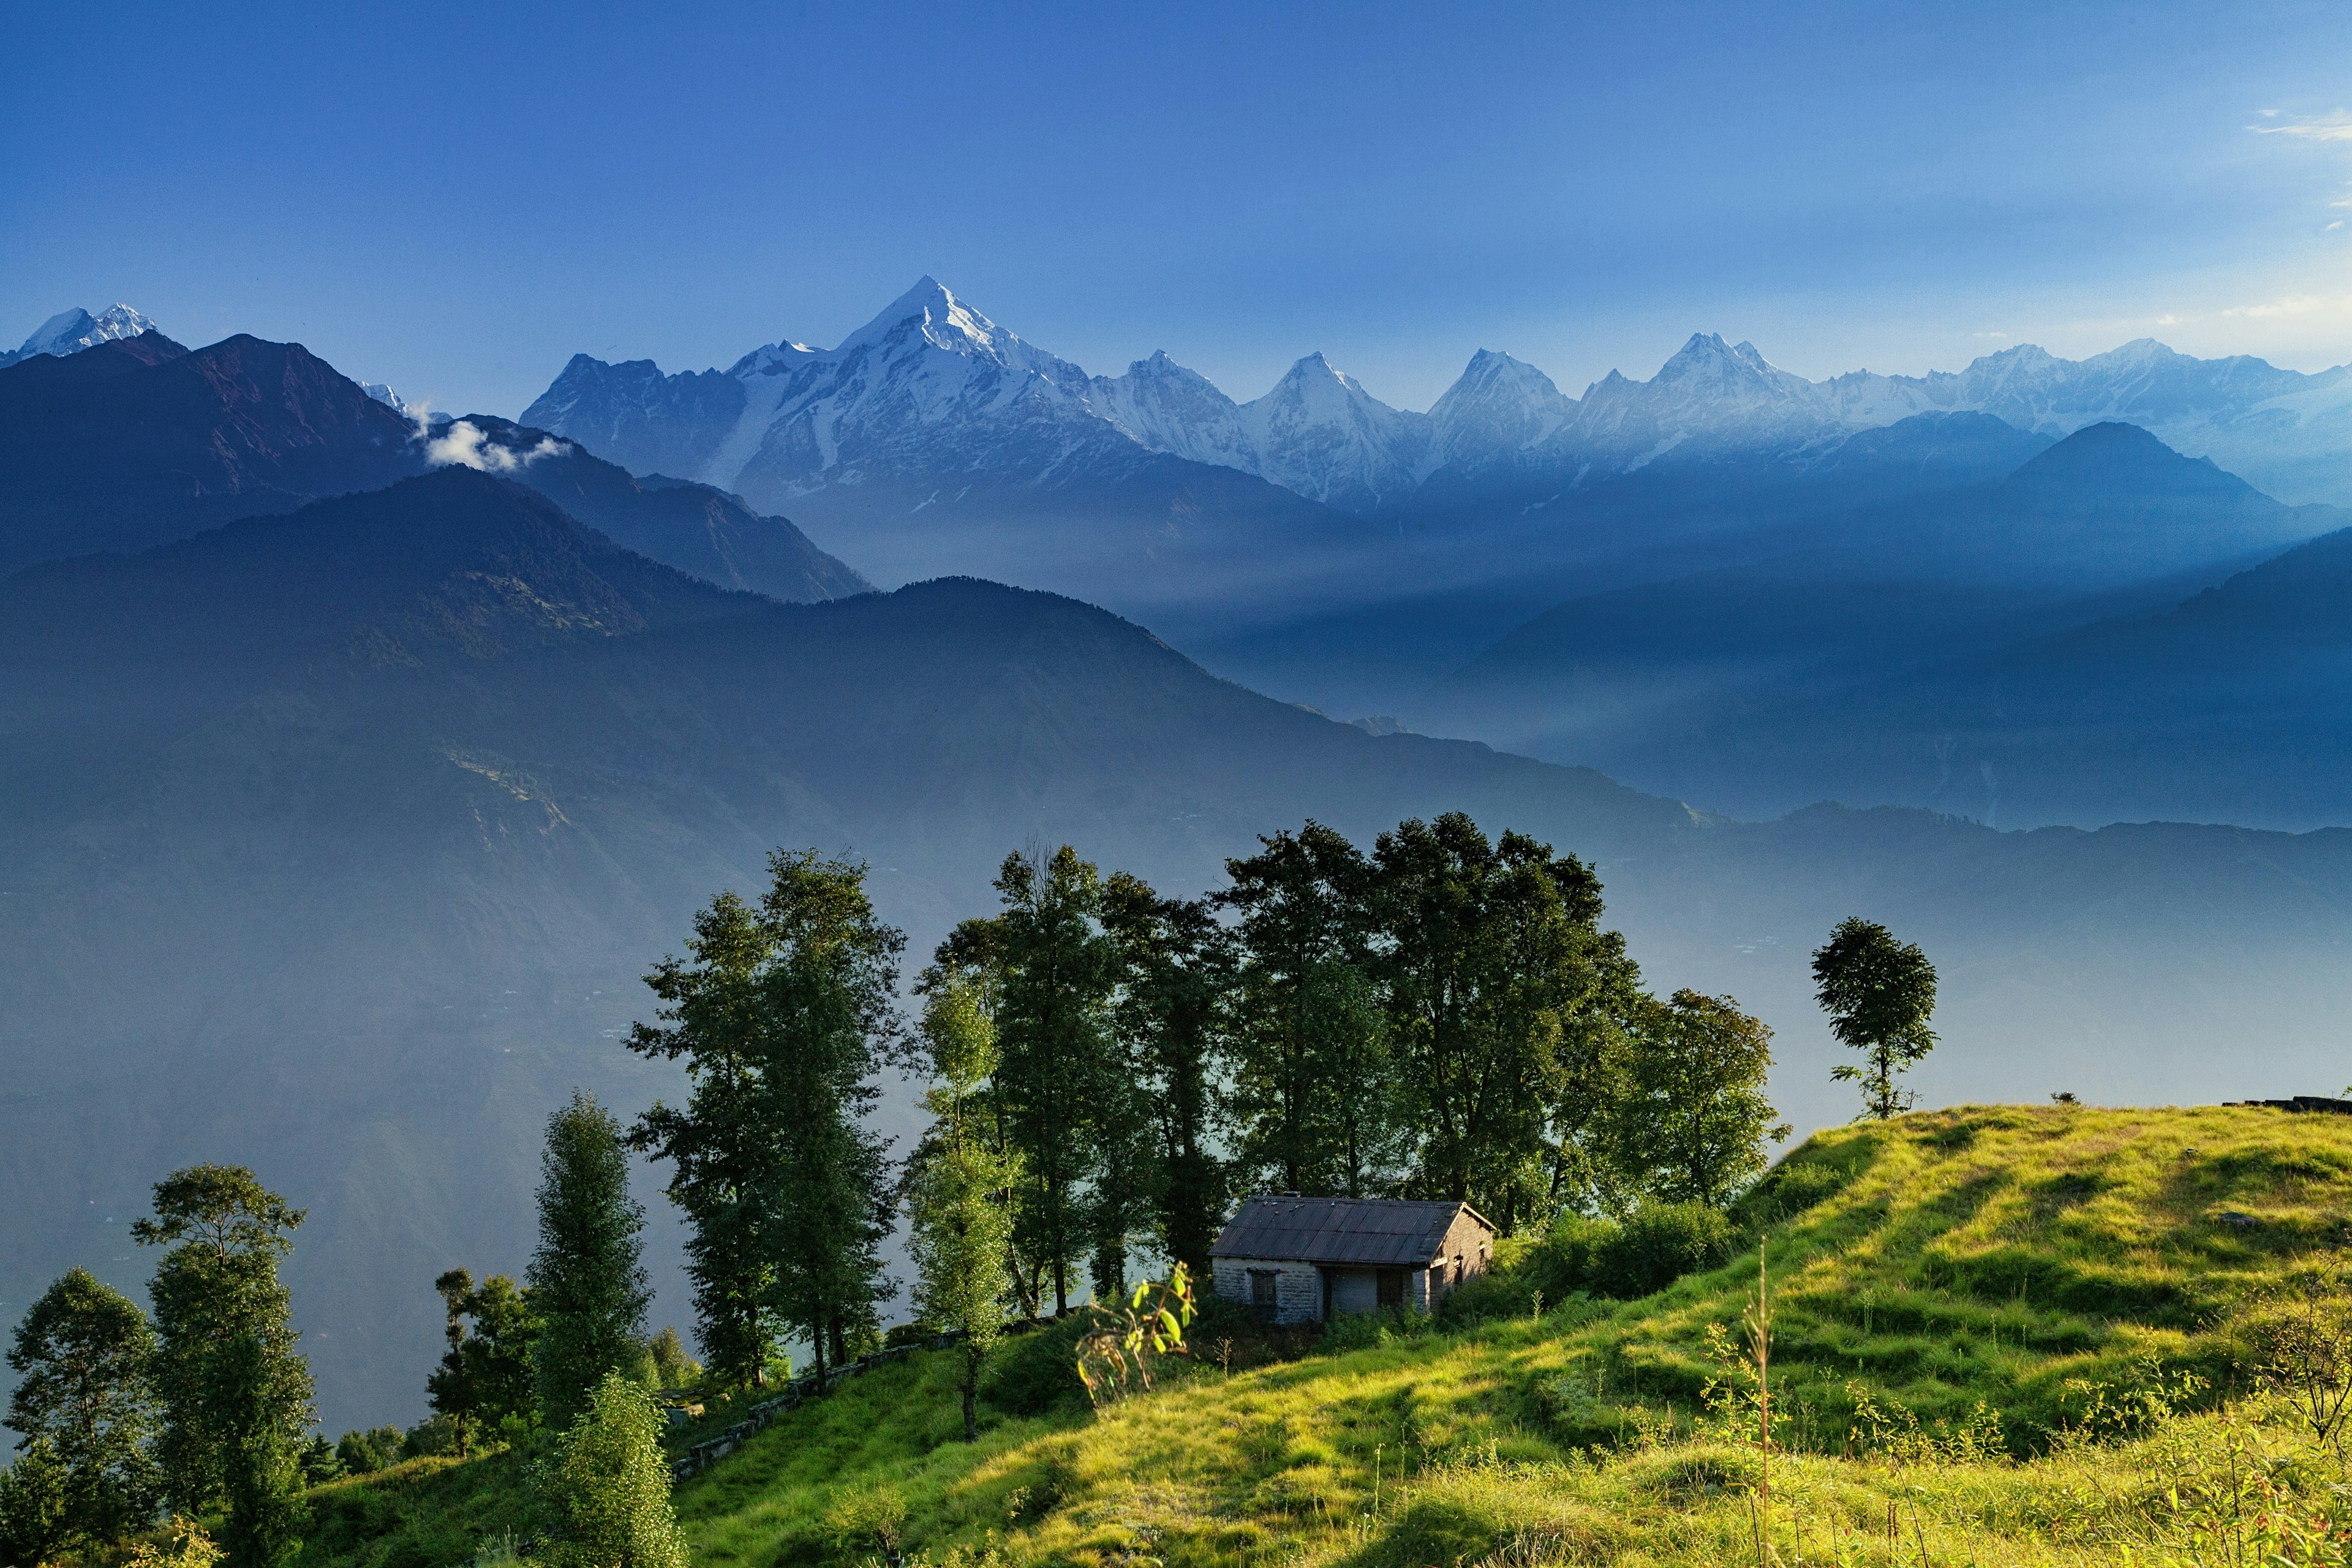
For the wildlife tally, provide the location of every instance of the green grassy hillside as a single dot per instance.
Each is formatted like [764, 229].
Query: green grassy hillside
[2011, 1327]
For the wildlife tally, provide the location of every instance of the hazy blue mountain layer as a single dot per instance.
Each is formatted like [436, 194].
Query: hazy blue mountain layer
[1988, 654]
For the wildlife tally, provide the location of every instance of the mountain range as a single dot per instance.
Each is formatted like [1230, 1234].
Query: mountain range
[932, 388]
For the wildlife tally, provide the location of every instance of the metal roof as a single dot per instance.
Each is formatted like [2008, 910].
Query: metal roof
[1372, 1232]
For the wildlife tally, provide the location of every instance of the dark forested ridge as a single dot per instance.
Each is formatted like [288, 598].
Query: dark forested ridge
[338, 841]
[139, 441]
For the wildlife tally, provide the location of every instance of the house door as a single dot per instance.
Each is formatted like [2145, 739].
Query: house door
[1262, 1302]
[1392, 1287]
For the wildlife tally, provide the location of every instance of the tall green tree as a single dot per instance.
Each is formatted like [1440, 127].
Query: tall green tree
[828, 1020]
[1494, 962]
[605, 1488]
[263, 1476]
[1879, 994]
[226, 1372]
[1693, 1125]
[83, 1356]
[1314, 1088]
[1593, 1078]
[1127, 1178]
[715, 1021]
[485, 1375]
[1054, 972]
[959, 1186]
[587, 1276]
[1171, 1021]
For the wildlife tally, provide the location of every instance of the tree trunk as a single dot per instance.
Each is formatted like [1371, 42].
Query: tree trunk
[1061, 1288]
[971, 1388]
[816, 1349]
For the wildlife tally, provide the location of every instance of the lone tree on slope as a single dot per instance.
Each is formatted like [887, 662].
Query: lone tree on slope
[587, 1279]
[1879, 994]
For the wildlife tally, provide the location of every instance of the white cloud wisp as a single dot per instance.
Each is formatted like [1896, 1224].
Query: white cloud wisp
[464, 444]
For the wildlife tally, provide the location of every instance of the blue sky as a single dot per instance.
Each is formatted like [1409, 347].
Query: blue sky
[456, 198]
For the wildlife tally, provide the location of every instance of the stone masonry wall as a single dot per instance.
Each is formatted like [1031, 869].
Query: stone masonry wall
[1299, 1287]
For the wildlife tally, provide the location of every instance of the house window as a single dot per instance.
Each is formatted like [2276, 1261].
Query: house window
[1457, 1269]
[1263, 1304]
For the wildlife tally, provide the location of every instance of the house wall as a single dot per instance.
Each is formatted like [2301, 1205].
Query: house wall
[1467, 1240]
[1299, 1287]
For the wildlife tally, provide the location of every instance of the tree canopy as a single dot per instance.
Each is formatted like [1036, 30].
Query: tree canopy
[227, 1375]
[1879, 994]
[84, 1358]
[587, 1276]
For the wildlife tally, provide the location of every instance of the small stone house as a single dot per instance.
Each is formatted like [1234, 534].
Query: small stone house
[1305, 1260]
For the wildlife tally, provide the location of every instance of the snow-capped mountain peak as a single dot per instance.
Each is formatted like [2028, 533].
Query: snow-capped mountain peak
[1498, 406]
[1320, 433]
[70, 332]
[931, 313]
[1708, 365]
[385, 395]
[1171, 409]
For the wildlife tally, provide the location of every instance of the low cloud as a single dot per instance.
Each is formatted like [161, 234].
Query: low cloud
[2292, 305]
[464, 444]
[2336, 127]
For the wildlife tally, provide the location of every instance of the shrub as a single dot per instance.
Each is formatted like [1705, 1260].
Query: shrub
[364, 1453]
[915, 1333]
[186, 1545]
[865, 1519]
[1364, 1330]
[1657, 1245]
[1482, 1297]
[434, 1435]
[1033, 1372]
[606, 1485]
[1552, 1269]
[1561, 1264]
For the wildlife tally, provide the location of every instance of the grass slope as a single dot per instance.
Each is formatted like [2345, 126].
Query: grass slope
[2059, 1266]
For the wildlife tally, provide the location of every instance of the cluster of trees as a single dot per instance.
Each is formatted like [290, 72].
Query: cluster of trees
[201, 1408]
[1442, 1016]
